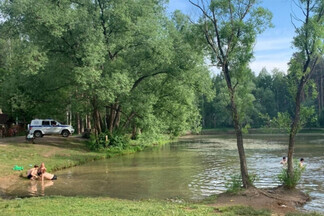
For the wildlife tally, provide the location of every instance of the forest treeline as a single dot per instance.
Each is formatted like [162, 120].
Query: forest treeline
[270, 94]
[128, 67]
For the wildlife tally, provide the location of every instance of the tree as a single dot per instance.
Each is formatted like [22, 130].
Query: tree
[125, 63]
[230, 28]
[309, 43]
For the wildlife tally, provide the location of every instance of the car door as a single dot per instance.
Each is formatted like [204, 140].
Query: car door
[55, 128]
[46, 127]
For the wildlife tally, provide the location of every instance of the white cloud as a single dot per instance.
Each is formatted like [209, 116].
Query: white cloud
[272, 53]
[269, 65]
[273, 44]
[282, 55]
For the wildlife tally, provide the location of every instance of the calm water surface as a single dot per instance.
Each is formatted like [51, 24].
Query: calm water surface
[190, 169]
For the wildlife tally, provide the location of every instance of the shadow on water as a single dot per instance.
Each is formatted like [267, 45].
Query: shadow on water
[191, 169]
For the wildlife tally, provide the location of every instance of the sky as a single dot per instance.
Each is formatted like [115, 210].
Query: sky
[273, 48]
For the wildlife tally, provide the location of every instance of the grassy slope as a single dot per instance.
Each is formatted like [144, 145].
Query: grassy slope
[55, 152]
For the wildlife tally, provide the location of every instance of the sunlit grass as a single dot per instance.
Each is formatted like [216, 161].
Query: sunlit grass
[98, 206]
[242, 210]
[55, 155]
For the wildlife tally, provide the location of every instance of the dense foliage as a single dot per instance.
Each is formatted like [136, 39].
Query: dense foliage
[116, 66]
[272, 102]
[126, 67]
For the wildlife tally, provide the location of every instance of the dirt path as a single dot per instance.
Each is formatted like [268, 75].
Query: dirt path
[279, 200]
[43, 140]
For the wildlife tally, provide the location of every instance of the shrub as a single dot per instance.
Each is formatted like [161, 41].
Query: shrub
[253, 177]
[106, 140]
[92, 143]
[235, 184]
[291, 181]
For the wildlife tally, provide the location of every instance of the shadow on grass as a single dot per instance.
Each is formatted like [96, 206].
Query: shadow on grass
[71, 143]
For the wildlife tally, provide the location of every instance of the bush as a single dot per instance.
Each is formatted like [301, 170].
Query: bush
[87, 133]
[106, 140]
[291, 182]
[92, 143]
[235, 184]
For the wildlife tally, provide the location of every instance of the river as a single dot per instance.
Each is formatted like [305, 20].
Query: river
[192, 168]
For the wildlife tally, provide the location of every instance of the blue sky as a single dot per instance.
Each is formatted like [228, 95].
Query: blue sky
[274, 47]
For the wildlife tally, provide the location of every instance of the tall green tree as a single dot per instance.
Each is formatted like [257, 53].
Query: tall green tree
[125, 62]
[309, 43]
[230, 28]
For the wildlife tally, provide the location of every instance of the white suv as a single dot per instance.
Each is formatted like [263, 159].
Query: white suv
[41, 127]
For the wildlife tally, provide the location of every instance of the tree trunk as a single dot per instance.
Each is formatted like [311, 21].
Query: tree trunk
[107, 117]
[79, 123]
[70, 120]
[102, 126]
[132, 115]
[87, 122]
[294, 128]
[240, 147]
[238, 130]
[319, 84]
[96, 117]
[134, 132]
[117, 117]
[96, 120]
[82, 124]
[321, 95]
[111, 118]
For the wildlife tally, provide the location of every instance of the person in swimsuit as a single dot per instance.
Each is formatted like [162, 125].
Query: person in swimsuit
[32, 173]
[301, 163]
[283, 161]
[45, 175]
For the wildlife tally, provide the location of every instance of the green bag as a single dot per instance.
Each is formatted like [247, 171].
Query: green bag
[16, 167]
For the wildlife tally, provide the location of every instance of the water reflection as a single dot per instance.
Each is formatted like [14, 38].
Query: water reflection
[190, 169]
[29, 188]
[37, 188]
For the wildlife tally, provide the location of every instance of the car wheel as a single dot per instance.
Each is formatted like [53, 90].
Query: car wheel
[65, 133]
[38, 134]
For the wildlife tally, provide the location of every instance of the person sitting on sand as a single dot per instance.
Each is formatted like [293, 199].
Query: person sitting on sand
[283, 161]
[32, 173]
[45, 175]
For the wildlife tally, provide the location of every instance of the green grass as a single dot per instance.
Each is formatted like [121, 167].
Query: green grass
[56, 155]
[242, 210]
[107, 206]
[98, 206]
